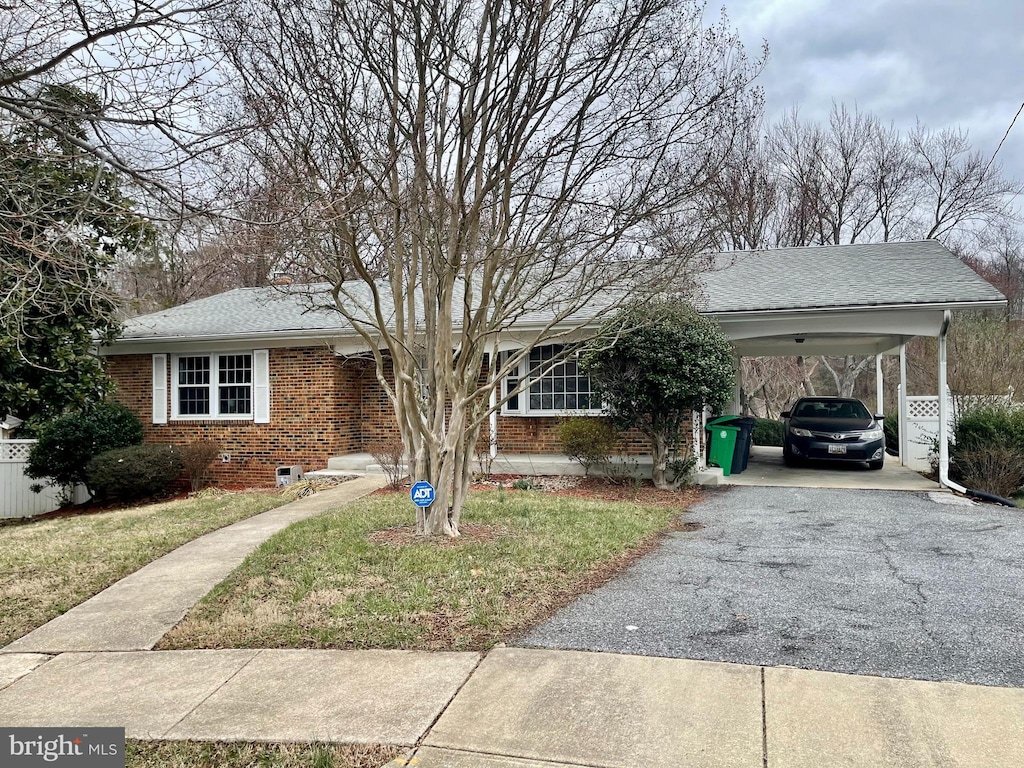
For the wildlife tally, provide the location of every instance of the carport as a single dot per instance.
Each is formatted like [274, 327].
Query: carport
[862, 299]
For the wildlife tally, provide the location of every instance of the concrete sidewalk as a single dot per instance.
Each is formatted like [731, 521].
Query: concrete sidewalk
[523, 708]
[135, 612]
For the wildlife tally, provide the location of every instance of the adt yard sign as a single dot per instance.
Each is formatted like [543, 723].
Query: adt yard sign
[422, 494]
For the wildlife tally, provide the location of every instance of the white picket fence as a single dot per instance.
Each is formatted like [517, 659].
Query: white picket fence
[17, 499]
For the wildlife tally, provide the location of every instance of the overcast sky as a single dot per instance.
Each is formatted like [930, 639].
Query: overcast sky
[947, 62]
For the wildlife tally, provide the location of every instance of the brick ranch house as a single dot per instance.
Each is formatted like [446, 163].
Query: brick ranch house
[275, 385]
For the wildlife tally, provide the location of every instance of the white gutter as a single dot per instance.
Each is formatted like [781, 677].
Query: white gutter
[946, 305]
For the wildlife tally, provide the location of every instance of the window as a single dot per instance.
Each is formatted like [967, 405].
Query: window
[213, 386]
[555, 387]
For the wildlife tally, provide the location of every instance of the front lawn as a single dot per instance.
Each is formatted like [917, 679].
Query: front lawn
[357, 578]
[48, 566]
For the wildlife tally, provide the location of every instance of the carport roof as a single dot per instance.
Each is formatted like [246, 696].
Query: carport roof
[838, 276]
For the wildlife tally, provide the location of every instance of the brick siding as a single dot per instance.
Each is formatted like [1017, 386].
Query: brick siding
[315, 413]
[320, 406]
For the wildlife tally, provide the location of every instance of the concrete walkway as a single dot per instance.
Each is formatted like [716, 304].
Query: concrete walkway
[523, 708]
[134, 613]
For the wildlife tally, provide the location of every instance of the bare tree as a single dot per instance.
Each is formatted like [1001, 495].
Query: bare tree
[959, 187]
[155, 85]
[107, 112]
[802, 183]
[467, 168]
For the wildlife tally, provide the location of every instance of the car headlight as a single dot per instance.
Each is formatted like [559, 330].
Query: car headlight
[800, 432]
[873, 434]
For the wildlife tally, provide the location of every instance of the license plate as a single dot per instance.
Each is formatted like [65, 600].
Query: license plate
[837, 449]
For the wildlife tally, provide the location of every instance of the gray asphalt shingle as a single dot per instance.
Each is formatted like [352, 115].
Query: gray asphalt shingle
[819, 277]
[882, 274]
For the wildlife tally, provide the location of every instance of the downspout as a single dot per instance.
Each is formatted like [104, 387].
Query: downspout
[944, 428]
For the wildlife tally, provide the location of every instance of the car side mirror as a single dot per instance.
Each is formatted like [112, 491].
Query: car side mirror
[879, 417]
[784, 415]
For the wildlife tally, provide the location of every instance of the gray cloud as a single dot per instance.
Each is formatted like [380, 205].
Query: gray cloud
[946, 63]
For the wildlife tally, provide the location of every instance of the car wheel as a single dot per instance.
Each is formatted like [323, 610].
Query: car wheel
[789, 459]
[875, 464]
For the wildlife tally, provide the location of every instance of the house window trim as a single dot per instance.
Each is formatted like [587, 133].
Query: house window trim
[214, 386]
[524, 410]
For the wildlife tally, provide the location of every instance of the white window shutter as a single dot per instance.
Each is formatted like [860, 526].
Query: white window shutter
[159, 389]
[261, 386]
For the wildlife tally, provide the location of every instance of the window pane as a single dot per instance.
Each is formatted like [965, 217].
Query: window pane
[234, 369]
[235, 400]
[194, 401]
[562, 388]
[513, 402]
[193, 371]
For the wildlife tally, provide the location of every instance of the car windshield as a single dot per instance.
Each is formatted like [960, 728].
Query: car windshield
[832, 409]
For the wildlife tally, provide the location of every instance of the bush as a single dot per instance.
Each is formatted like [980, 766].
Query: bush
[891, 428]
[587, 440]
[66, 444]
[997, 468]
[135, 472]
[767, 432]
[988, 424]
[389, 453]
[196, 458]
[988, 454]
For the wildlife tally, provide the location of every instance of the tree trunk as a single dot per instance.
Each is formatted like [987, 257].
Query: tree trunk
[805, 376]
[659, 455]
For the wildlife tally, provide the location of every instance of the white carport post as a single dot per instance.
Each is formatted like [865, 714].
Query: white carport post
[902, 405]
[737, 364]
[879, 389]
[944, 411]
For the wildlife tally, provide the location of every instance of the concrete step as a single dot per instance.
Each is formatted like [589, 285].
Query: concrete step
[351, 461]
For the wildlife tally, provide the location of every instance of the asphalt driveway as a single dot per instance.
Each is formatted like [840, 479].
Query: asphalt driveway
[869, 582]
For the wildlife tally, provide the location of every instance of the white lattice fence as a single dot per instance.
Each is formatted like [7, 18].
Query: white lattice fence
[17, 499]
[923, 408]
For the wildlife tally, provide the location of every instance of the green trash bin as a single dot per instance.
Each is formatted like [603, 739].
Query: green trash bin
[723, 443]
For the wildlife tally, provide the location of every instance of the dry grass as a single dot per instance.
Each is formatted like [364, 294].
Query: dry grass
[48, 566]
[356, 579]
[198, 754]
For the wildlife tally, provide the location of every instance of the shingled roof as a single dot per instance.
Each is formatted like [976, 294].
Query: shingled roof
[838, 276]
[819, 277]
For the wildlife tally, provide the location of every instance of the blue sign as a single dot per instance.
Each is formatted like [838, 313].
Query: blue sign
[422, 494]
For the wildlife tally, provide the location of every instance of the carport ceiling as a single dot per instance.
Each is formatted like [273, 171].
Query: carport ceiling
[817, 344]
[839, 300]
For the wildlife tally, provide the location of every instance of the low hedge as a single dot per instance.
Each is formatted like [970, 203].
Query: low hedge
[135, 472]
[768, 432]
